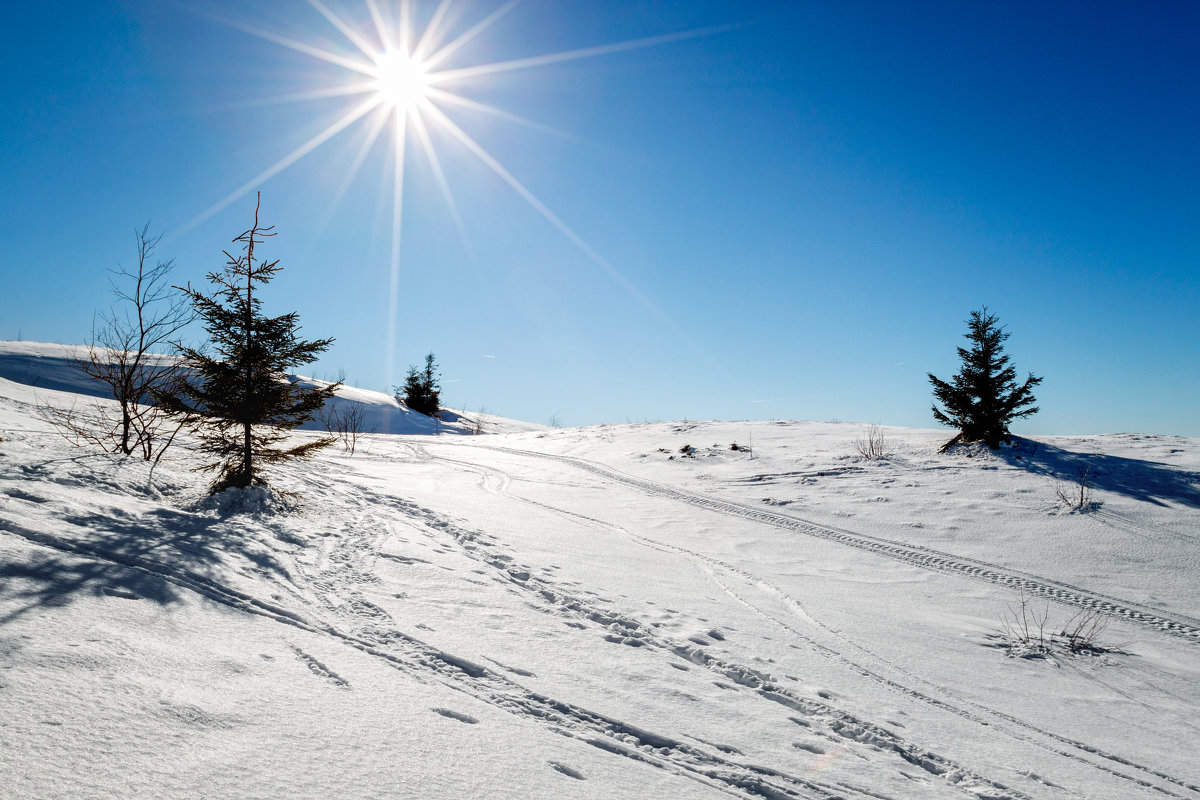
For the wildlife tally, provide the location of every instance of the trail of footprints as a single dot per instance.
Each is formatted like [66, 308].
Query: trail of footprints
[712, 764]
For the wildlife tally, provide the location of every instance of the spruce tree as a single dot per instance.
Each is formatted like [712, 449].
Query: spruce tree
[983, 397]
[430, 385]
[422, 391]
[241, 400]
[413, 391]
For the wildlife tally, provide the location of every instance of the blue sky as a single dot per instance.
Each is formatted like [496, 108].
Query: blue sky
[807, 201]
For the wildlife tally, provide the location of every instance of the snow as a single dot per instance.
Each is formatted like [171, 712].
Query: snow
[588, 612]
[46, 368]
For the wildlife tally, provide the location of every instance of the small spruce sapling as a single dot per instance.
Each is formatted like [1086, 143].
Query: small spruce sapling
[241, 400]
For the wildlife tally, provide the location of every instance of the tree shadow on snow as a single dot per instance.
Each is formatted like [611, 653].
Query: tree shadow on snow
[153, 556]
[1148, 481]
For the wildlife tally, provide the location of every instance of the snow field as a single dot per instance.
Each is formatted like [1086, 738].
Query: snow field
[574, 613]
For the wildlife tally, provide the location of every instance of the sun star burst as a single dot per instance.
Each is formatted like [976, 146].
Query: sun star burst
[398, 84]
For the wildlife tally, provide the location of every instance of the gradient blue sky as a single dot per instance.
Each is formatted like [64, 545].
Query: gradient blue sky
[810, 200]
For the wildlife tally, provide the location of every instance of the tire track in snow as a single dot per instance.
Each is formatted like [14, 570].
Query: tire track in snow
[1178, 625]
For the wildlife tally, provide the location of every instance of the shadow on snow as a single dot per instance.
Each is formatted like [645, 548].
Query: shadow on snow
[154, 555]
[1148, 481]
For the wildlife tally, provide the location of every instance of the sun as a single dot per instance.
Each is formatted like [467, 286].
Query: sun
[399, 77]
[401, 81]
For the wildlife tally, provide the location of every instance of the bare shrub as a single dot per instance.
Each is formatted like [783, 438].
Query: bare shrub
[871, 445]
[1025, 627]
[1029, 633]
[1081, 633]
[345, 421]
[97, 425]
[1076, 492]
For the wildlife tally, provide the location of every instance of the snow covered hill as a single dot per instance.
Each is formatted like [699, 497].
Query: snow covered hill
[51, 367]
[607, 612]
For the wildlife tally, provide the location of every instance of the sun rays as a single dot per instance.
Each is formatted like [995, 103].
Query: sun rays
[399, 78]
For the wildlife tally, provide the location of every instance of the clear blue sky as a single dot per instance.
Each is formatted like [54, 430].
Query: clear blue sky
[807, 201]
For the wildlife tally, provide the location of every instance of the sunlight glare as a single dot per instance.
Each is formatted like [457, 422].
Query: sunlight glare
[400, 80]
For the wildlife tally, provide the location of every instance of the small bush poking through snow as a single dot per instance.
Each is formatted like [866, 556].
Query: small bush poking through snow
[346, 423]
[871, 445]
[1076, 492]
[1024, 627]
[1029, 634]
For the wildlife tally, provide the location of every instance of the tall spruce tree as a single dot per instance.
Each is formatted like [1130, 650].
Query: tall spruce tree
[983, 397]
[422, 390]
[241, 401]
[431, 385]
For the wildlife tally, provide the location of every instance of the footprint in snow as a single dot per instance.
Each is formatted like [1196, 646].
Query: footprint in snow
[445, 712]
[565, 770]
[319, 669]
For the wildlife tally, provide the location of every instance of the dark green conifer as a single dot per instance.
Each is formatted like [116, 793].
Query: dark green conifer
[983, 397]
[431, 386]
[422, 390]
[412, 392]
[240, 397]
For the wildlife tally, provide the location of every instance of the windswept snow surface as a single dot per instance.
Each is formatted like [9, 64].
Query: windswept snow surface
[590, 613]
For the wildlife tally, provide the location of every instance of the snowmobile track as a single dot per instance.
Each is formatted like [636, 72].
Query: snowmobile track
[925, 558]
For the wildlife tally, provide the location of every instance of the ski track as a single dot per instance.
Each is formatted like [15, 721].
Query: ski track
[378, 637]
[1027, 732]
[1175, 624]
[839, 726]
[342, 567]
